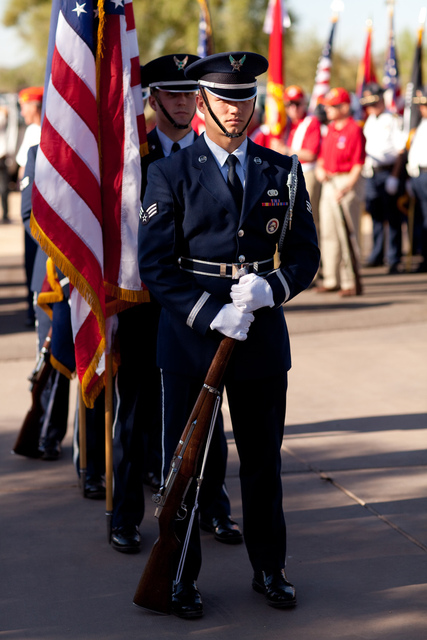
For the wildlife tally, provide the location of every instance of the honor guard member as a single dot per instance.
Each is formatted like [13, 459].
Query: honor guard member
[173, 99]
[385, 144]
[137, 429]
[196, 229]
[137, 432]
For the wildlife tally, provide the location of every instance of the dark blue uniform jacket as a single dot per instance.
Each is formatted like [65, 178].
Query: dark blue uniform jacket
[192, 214]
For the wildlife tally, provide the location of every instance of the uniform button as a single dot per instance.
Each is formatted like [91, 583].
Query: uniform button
[242, 259]
[240, 233]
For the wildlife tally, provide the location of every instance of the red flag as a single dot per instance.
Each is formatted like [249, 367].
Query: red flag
[87, 180]
[275, 112]
[366, 71]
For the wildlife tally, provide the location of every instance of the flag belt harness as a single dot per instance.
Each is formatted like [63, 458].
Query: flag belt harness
[223, 269]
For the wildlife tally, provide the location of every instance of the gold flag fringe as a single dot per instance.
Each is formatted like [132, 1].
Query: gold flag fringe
[46, 298]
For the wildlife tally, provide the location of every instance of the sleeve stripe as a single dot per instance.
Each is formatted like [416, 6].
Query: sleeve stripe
[284, 284]
[195, 310]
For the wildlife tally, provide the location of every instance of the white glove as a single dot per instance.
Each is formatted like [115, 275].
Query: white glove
[232, 322]
[251, 293]
[391, 185]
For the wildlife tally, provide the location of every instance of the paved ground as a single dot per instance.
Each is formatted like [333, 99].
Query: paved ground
[354, 480]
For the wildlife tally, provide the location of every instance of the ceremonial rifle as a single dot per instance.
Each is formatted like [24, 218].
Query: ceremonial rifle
[154, 591]
[27, 442]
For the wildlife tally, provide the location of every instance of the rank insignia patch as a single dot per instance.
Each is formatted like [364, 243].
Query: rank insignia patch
[274, 202]
[147, 214]
[272, 225]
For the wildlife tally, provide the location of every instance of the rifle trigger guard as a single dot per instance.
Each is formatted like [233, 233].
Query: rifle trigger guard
[181, 514]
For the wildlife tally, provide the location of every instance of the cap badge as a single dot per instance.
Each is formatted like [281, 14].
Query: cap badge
[236, 64]
[180, 64]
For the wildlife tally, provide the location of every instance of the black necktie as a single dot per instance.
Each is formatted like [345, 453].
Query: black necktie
[233, 181]
[175, 147]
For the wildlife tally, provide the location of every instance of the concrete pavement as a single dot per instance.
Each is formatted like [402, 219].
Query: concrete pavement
[354, 481]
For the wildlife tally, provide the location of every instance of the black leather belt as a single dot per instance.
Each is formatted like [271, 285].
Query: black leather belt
[383, 167]
[224, 269]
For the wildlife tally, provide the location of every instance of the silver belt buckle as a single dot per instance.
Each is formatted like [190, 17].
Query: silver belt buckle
[239, 269]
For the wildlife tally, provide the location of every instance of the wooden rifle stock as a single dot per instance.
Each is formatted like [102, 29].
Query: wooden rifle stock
[154, 591]
[27, 442]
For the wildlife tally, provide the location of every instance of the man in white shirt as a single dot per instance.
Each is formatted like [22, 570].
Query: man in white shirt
[417, 170]
[30, 102]
[385, 144]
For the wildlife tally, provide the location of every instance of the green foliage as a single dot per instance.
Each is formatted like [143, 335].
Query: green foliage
[170, 26]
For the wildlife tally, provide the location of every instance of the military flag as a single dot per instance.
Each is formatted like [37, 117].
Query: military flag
[391, 81]
[323, 72]
[205, 45]
[87, 180]
[366, 71]
[411, 113]
[276, 21]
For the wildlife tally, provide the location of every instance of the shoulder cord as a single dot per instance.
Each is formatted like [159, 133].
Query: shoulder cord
[292, 184]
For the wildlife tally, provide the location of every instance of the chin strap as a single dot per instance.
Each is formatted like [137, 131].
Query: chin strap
[169, 117]
[215, 119]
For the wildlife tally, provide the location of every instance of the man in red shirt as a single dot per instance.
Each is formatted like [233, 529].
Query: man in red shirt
[301, 136]
[338, 169]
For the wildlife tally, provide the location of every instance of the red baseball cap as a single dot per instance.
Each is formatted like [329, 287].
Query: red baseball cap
[336, 96]
[31, 94]
[293, 93]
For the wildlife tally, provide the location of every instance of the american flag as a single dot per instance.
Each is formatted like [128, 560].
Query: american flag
[391, 81]
[87, 182]
[276, 21]
[323, 72]
[205, 46]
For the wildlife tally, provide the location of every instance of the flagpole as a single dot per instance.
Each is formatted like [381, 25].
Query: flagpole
[82, 441]
[109, 441]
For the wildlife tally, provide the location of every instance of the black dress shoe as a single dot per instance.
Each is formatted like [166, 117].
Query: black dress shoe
[224, 529]
[94, 488]
[278, 591]
[152, 481]
[126, 539]
[393, 269]
[186, 600]
[51, 451]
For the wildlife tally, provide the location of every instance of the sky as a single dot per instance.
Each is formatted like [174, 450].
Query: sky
[313, 17]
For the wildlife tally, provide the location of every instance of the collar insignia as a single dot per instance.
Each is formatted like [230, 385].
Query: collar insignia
[180, 64]
[236, 64]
